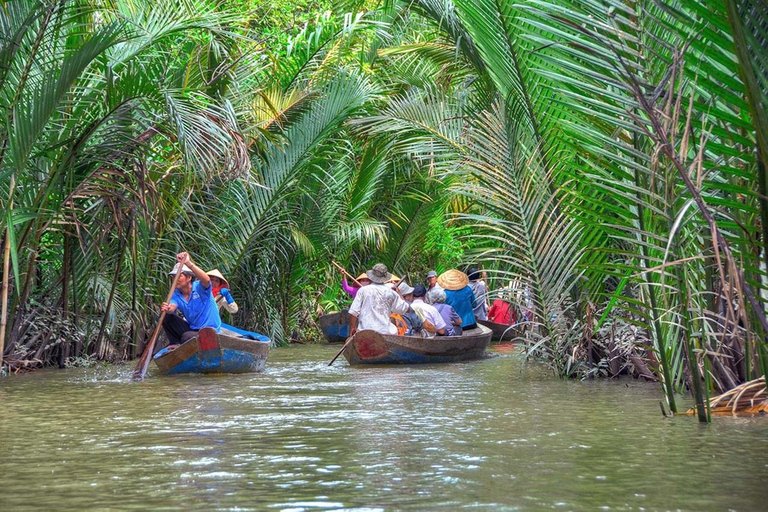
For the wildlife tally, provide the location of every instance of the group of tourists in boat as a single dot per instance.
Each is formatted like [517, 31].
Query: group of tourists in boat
[390, 321]
[446, 306]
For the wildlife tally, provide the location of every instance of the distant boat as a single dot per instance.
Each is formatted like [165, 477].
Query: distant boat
[335, 326]
[370, 347]
[210, 352]
[502, 332]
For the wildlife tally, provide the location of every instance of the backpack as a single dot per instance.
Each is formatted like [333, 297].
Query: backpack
[399, 322]
[414, 323]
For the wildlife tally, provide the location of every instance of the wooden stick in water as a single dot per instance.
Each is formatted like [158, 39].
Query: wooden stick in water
[346, 343]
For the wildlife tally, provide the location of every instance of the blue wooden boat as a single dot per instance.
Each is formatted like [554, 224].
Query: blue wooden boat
[370, 347]
[335, 326]
[212, 352]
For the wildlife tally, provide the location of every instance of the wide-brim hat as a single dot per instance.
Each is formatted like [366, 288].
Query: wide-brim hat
[379, 273]
[453, 280]
[215, 273]
[184, 270]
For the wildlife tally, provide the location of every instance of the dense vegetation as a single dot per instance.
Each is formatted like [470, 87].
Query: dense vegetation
[609, 156]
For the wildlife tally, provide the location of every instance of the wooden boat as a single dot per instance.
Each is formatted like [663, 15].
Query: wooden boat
[370, 347]
[335, 326]
[211, 352]
[501, 332]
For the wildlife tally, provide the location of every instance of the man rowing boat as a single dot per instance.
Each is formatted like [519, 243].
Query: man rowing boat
[194, 299]
[374, 303]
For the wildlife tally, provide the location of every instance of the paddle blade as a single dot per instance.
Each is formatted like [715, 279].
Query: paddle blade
[141, 368]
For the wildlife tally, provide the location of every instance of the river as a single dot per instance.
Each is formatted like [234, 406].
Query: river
[496, 434]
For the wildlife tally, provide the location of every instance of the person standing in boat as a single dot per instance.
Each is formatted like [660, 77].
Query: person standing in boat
[432, 287]
[221, 292]
[374, 303]
[193, 297]
[481, 294]
[350, 290]
[459, 296]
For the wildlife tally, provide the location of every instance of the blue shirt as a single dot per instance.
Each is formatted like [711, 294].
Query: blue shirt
[463, 301]
[201, 310]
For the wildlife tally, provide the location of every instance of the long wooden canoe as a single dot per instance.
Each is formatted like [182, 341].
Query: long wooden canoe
[501, 332]
[210, 352]
[335, 326]
[370, 347]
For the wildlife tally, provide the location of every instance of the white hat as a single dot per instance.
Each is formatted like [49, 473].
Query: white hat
[184, 270]
[404, 288]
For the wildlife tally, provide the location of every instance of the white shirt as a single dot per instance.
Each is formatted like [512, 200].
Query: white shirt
[428, 312]
[372, 306]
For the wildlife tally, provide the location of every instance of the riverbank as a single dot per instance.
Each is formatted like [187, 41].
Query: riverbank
[492, 434]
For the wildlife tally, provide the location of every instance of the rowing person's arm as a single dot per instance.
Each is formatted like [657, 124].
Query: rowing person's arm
[185, 259]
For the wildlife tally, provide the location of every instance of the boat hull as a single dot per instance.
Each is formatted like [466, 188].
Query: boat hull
[501, 332]
[234, 355]
[370, 347]
[335, 326]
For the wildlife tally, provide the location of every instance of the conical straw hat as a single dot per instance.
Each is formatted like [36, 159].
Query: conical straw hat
[362, 276]
[393, 279]
[215, 273]
[453, 279]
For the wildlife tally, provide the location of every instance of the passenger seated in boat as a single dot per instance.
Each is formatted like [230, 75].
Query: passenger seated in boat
[431, 318]
[192, 297]
[501, 312]
[415, 325]
[450, 317]
[221, 292]
[374, 303]
[459, 296]
[350, 290]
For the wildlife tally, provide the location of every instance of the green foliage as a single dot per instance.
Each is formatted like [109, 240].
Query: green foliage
[445, 244]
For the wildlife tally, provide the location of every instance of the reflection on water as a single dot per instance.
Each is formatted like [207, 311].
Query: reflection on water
[301, 436]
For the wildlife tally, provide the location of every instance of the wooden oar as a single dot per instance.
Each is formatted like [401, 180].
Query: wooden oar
[357, 283]
[349, 340]
[141, 368]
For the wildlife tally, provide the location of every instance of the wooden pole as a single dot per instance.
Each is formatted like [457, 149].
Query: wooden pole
[357, 283]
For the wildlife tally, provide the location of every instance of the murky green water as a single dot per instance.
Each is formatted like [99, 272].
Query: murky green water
[491, 434]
